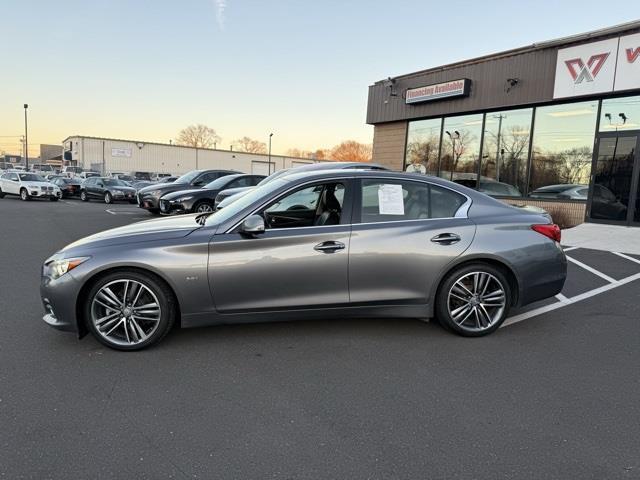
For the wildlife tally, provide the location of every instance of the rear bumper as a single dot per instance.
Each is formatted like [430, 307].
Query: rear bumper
[544, 279]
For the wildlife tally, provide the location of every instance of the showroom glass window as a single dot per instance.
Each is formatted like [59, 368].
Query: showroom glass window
[505, 152]
[620, 114]
[423, 143]
[461, 149]
[562, 147]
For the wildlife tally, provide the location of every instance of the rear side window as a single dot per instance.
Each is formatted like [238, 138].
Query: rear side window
[396, 200]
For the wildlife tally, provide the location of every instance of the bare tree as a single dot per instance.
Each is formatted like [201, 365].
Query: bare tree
[352, 151]
[249, 145]
[199, 136]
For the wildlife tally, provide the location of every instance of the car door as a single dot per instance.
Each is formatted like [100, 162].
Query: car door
[12, 185]
[405, 233]
[300, 262]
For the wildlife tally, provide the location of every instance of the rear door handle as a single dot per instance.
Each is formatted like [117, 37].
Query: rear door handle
[329, 247]
[446, 238]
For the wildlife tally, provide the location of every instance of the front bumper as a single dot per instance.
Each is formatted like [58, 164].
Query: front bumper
[44, 193]
[168, 207]
[59, 301]
[126, 197]
[148, 202]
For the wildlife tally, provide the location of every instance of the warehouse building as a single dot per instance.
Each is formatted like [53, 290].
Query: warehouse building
[554, 124]
[107, 155]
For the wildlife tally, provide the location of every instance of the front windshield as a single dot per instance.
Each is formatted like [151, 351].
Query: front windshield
[273, 176]
[188, 177]
[114, 182]
[31, 177]
[220, 182]
[226, 213]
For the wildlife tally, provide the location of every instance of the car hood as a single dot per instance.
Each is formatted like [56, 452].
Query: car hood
[38, 184]
[232, 191]
[182, 193]
[164, 187]
[147, 231]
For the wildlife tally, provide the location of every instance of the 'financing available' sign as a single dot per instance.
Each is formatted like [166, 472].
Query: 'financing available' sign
[428, 93]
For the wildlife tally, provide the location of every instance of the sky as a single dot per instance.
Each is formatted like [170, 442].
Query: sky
[143, 70]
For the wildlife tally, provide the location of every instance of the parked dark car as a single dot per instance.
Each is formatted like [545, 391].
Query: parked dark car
[236, 193]
[149, 197]
[70, 187]
[141, 175]
[169, 179]
[201, 200]
[107, 189]
[327, 244]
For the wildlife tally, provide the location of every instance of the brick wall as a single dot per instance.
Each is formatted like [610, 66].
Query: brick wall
[388, 144]
[565, 214]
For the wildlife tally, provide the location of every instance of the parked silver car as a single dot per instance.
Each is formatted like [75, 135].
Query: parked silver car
[337, 243]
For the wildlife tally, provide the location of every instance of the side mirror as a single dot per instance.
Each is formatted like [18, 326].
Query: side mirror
[252, 225]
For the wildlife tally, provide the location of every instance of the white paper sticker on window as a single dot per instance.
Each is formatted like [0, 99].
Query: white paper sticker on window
[390, 201]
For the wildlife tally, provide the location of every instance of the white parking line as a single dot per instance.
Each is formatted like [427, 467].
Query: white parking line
[626, 256]
[568, 249]
[591, 269]
[569, 301]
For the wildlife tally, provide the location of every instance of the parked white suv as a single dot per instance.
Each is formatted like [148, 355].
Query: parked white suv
[71, 171]
[28, 185]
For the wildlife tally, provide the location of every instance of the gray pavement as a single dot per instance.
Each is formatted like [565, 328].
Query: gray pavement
[552, 396]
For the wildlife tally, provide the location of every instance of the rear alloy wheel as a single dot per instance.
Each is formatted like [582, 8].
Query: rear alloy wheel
[108, 198]
[203, 207]
[24, 195]
[474, 300]
[129, 310]
[83, 196]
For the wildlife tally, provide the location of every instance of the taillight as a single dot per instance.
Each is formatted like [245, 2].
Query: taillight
[550, 230]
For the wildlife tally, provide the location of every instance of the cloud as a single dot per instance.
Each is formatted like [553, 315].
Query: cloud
[221, 6]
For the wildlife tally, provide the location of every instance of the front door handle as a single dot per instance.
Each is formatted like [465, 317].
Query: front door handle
[446, 238]
[329, 247]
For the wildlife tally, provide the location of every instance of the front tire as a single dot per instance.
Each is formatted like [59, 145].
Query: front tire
[24, 195]
[203, 206]
[108, 198]
[53, 199]
[83, 196]
[1, 193]
[129, 310]
[473, 300]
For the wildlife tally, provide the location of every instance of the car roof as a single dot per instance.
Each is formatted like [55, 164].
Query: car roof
[338, 166]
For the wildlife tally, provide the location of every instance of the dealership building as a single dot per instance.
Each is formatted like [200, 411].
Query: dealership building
[554, 124]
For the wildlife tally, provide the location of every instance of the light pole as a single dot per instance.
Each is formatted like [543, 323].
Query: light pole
[269, 168]
[453, 150]
[498, 142]
[26, 140]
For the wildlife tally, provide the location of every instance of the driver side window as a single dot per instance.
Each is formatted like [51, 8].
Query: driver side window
[318, 205]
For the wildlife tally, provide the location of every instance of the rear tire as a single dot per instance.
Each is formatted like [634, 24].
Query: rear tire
[1, 193]
[113, 326]
[83, 196]
[24, 195]
[473, 300]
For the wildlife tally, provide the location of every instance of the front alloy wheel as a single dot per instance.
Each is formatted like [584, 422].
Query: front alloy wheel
[474, 301]
[204, 207]
[24, 195]
[108, 198]
[130, 311]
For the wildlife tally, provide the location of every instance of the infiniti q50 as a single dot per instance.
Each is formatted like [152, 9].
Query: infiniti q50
[326, 244]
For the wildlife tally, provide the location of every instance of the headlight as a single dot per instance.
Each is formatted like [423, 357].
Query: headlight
[183, 199]
[56, 268]
[154, 193]
[118, 192]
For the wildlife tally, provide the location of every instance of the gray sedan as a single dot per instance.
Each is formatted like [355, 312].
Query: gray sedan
[335, 243]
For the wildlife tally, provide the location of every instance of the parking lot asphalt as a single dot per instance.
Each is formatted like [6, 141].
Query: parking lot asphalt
[552, 395]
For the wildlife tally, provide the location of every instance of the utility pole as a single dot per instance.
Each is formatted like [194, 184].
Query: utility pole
[269, 166]
[26, 141]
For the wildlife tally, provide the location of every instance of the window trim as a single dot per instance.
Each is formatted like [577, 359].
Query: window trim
[348, 204]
